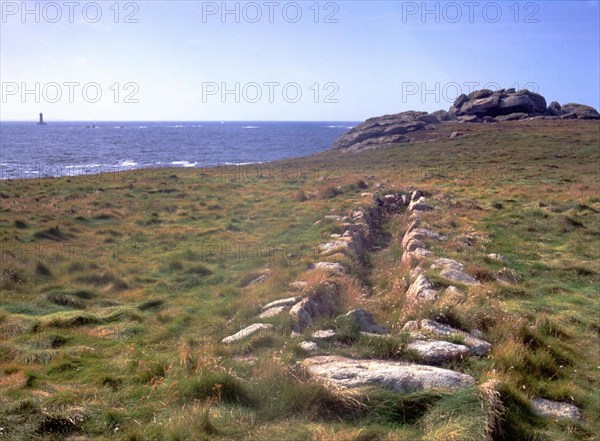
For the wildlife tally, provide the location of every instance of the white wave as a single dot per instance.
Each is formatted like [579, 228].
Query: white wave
[250, 127]
[127, 164]
[242, 163]
[83, 166]
[184, 163]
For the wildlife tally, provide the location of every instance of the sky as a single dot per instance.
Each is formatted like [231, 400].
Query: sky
[296, 61]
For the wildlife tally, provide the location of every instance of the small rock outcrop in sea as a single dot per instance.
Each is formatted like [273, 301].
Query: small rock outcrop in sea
[480, 106]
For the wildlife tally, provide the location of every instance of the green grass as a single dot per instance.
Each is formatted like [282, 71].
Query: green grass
[114, 297]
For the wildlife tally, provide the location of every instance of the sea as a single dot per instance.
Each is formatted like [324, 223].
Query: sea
[28, 150]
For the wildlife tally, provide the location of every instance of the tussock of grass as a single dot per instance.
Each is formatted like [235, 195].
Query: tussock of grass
[216, 386]
[151, 304]
[104, 280]
[53, 233]
[468, 415]
[65, 300]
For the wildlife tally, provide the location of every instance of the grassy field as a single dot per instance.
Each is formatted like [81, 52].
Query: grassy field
[117, 289]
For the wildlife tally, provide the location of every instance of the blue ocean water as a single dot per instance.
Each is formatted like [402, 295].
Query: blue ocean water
[76, 148]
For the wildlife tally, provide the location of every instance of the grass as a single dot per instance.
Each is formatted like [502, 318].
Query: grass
[112, 306]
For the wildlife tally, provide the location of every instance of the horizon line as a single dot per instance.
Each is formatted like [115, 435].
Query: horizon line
[180, 120]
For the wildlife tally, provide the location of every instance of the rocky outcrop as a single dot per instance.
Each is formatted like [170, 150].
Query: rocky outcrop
[477, 107]
[383, 130]
[397, 376]
[581, 111]
[490, 103]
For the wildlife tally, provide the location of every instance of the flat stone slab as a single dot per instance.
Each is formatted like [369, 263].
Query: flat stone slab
[365, 322]
[337, 218]
[246, 332]
[332, 267]
[272, 312]
[438, 351]
[419, 233]
[498, 257]
[445, 263]
[555, 409]
[476, 345]
[289, 301]
[397, 376]
[337, 246]
[420, 205]
[308, 346]
[458, 276]
[324, 334]
[412, 257]
[420, 290]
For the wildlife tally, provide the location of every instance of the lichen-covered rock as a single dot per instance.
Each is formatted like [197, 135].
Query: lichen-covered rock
[365, 322]
[323, 334]
[331, 267]
[413, 258]
[497, 257]
[289, 301]
[329, 248]
[555, 409]
[272, 312]
[246, 332]
[419, 234]
[421, 290]
[436, 352]
[308, 346]
[445, 263]
[476, 345]
[322, 303]
[458, 276]
[397, 376]
[420, 205]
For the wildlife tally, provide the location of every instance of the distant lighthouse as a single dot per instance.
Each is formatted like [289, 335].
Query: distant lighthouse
[41, 121]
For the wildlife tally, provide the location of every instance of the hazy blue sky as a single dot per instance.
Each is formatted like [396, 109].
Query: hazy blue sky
[379, 57]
